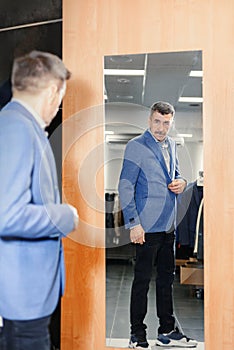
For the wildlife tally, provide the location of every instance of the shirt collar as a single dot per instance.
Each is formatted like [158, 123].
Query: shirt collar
[32, 111]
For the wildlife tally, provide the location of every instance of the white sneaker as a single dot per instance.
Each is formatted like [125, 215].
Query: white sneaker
[175, 339]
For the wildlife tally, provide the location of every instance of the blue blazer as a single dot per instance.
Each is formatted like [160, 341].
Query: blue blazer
[144, 195]
[32, 220]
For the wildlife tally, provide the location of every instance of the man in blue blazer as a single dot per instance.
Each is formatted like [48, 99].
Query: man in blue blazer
[32, 218]
[149, 183]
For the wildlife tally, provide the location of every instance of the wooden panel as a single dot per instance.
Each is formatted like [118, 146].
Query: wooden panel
[92, 29]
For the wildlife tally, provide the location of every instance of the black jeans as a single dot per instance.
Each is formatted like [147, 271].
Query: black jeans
[25, 335]
[158, 248]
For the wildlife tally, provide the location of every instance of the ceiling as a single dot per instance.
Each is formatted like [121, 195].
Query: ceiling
[166, 77]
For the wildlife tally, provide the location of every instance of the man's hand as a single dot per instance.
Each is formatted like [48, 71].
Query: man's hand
[137, 234]
[177, 186]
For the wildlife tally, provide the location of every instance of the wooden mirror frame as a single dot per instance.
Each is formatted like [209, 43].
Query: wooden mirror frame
[92, 29]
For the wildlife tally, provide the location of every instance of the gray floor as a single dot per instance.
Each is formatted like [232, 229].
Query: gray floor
[189, 310]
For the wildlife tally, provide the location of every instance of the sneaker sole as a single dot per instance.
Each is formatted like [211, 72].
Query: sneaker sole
[175, 344]
[138, 347]
[134, 346]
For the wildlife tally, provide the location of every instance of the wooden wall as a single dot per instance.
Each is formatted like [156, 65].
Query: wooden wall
[92, 29]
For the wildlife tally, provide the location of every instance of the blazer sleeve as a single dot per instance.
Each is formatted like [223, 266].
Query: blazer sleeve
[19, 216]
[128, 179]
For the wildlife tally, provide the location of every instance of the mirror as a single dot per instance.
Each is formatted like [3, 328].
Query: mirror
[132, 84]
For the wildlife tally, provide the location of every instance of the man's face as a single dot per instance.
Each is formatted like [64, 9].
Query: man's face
[160, 125]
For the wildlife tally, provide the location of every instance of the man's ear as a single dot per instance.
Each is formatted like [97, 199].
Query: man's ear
[52, 92]
[149, 119]
[172, 126]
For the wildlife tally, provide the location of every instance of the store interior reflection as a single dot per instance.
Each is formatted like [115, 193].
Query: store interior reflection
[132, 84]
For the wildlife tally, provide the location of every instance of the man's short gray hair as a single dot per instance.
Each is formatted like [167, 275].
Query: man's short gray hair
[162, 108]
[35, 70]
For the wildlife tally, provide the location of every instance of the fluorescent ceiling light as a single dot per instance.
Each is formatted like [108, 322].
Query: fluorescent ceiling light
[185, 135]
[124, 97]
[124, 72]
[196, 73]
[109, 132]
[191, 99]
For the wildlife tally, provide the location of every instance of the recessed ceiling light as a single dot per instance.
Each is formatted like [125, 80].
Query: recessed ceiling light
[123, 81]
[194, 105]
[196, 73]
[136, 72]
[121, 59]
[191, 99]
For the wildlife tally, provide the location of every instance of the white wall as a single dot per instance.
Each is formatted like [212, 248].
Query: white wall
[113, 165]
[191, 160]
